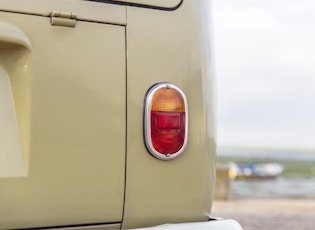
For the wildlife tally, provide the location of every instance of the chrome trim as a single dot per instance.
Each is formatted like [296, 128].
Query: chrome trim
[147, 122]
[142, 5]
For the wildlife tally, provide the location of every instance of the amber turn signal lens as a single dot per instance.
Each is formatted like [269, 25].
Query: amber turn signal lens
[165, 121]
[168, 100]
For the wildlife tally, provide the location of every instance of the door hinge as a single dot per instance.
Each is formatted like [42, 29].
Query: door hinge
[58, 18]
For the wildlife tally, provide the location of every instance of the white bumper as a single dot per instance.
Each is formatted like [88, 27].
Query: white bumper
[219, 224]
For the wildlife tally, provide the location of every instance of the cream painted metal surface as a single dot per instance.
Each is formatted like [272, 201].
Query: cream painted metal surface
[85, 10]
[11, 155]
[78, 94]
[95, 227]
[170, 47]
[69, 99]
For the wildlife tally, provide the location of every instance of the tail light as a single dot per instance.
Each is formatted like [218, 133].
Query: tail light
[165, 121]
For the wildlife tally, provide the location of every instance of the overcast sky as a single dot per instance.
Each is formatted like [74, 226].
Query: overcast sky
[265, 68]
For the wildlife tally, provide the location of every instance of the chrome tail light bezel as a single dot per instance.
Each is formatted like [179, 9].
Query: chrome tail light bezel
[147, 121]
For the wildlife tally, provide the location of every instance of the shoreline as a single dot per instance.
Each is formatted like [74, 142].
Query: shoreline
[269, 205]
[266, 214]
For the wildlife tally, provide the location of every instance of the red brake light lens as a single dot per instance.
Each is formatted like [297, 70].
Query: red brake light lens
[165, 121]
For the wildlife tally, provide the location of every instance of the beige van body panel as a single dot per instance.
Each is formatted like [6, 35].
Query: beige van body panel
[170, 47]
[92, 227]
[78, 95]
[68, 91]
[12, 162]
[85, 10]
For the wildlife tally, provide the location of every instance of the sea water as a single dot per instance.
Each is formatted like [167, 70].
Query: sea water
[296, 182]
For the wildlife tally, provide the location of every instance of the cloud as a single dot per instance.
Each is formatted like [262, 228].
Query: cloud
[265, 72]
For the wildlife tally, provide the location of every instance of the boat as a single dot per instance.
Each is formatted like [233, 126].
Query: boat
[254, 170]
